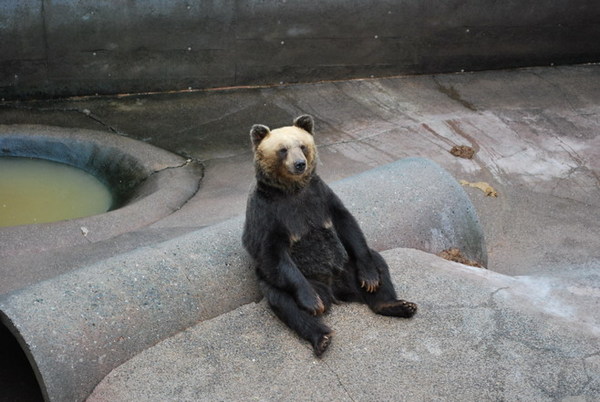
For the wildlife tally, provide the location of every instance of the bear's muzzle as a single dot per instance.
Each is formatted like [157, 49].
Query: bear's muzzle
[299, 166]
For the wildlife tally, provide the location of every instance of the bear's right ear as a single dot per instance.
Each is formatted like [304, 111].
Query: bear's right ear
[258, 133]
[305, 122]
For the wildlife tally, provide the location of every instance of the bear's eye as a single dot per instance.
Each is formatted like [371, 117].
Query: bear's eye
[282, 151]
[303, 148]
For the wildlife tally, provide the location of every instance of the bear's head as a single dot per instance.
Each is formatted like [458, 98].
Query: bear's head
[285, 157]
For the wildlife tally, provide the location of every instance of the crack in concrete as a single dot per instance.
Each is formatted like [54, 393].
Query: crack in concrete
[340, 382]
[92, 116]
[578, 159]
[186, 163]
[86, 112]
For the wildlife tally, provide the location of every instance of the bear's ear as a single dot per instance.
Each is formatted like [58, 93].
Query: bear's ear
[258, 133]
[305, 122]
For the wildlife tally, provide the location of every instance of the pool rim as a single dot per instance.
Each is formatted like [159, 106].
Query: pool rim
[160, 182]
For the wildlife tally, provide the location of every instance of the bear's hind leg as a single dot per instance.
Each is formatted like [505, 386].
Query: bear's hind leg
[384, 300]
[307, 326]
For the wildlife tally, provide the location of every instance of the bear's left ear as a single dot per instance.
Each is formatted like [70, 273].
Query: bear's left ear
[258, 133]
[305, 122]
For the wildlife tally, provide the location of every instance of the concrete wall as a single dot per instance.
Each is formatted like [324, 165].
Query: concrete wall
[74, 47]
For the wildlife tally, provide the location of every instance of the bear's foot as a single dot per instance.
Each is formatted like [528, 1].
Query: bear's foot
[396, 308]
[321, 344]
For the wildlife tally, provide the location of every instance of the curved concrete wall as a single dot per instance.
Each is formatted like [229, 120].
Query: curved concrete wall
[148, 183]
[74, 47]
[77, 327]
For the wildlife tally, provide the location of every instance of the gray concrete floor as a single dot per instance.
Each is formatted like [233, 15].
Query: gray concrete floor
[536, 132]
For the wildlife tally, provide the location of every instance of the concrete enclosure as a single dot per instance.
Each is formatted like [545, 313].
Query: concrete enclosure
[88, 300]
[102, 315]
[80, 47]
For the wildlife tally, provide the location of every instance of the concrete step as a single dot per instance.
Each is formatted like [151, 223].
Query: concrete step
[478, 336]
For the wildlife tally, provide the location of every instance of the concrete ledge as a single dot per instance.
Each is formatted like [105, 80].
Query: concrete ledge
[414, 203]
[77, 327]
[478, 336]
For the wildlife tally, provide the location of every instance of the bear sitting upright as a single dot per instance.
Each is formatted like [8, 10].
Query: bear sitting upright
[308, 249]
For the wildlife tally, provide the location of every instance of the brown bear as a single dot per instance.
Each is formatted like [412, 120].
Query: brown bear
[308, 250]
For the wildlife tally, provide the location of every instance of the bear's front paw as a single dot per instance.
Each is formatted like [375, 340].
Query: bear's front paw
[369, 281]
[312, 303]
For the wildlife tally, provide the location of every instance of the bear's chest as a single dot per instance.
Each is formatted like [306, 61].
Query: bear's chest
[303, 213]
[319, 254]
[314, 244]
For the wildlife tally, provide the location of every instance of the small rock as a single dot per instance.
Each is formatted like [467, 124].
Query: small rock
[462, 151]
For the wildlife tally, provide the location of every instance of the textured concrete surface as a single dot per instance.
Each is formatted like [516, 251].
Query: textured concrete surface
[83, 47]
[536, 136]
[102, 315]
[478, 336]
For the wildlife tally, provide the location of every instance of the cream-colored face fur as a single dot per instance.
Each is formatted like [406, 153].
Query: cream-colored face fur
[283, 150]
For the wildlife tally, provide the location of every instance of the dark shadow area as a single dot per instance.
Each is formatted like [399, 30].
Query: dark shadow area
[17, 380]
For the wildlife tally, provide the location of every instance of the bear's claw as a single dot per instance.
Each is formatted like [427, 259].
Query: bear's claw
[370, 285]
[369, 279]
[311, 302]
[320, 308]
[321, 346]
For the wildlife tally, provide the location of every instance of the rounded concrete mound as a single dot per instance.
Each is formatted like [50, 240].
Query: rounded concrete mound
[147, 183]
[79, 326]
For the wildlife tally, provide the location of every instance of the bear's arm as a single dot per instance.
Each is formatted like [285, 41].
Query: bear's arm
[268, 243]
[347, 229]
[278, 269]
[353, 239]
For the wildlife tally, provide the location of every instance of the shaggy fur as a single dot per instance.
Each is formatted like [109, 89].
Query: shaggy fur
[308, 249]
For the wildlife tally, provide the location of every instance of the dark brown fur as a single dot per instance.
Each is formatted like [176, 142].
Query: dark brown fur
[308, 249]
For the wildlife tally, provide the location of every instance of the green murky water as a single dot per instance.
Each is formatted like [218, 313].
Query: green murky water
[37, 191]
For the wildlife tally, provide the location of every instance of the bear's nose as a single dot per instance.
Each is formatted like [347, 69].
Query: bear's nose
[299, 166]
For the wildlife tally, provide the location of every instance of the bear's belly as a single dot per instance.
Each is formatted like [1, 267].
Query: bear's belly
[319, 254]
